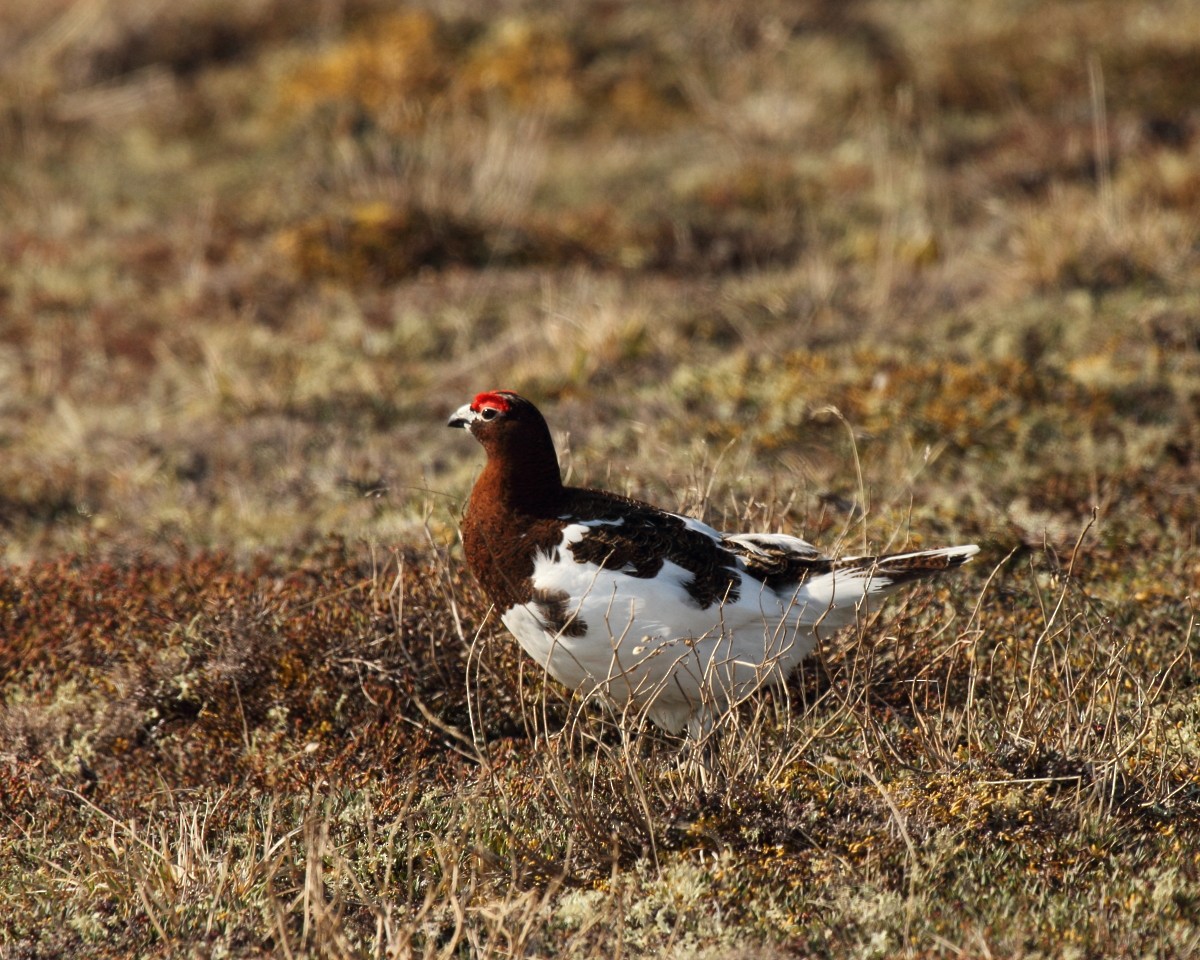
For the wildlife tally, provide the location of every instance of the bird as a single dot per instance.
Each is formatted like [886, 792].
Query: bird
[657, 612]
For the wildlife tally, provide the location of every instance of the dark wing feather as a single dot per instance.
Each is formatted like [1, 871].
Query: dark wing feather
[781, 562]
[638, 539]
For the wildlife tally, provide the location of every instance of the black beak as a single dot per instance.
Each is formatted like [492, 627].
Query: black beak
[461, 417]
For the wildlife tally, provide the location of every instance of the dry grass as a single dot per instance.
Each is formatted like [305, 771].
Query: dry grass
[893, 273]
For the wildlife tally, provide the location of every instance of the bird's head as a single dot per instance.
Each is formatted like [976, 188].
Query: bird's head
[502, 421]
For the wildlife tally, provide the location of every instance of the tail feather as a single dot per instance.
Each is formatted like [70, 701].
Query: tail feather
[855, 584]
[896, 568]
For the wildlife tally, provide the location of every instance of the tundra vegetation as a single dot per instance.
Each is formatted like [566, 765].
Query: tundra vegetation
[878, 274]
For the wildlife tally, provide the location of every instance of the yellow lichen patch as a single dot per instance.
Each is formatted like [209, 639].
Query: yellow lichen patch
[395, 73]
[950, 399]
[380, 243]
[528, 64]
[409, 66]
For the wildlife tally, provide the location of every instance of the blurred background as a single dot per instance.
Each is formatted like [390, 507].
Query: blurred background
[253, 251]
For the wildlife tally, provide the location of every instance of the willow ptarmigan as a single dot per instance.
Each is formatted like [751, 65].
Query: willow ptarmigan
[659, 611]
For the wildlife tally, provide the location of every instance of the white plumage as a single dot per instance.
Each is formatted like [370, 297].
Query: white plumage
[648, 643]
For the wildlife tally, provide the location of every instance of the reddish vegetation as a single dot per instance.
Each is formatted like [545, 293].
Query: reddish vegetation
[177, 668]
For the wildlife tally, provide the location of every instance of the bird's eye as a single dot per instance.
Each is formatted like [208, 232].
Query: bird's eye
[488, 413]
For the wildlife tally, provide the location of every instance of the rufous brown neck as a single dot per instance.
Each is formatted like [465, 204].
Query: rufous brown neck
[521, 474]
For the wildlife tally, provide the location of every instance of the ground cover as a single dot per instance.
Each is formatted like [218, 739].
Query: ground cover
[876, 274]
